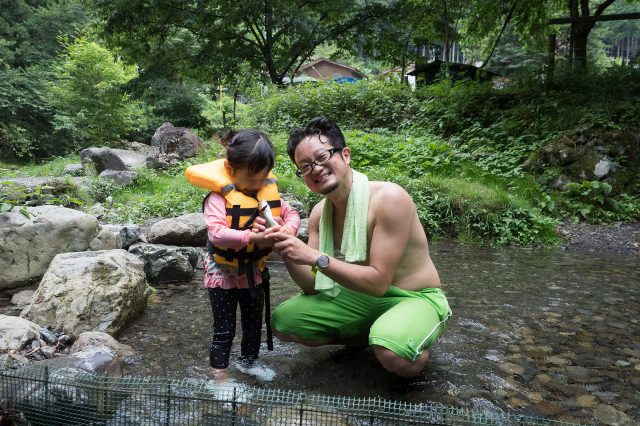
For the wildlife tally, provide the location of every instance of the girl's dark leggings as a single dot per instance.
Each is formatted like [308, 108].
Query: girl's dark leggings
[223, 306]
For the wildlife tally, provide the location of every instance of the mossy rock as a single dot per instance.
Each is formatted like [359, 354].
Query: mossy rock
[612, 156]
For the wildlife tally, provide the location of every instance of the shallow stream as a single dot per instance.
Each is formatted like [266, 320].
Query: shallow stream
[540, 331]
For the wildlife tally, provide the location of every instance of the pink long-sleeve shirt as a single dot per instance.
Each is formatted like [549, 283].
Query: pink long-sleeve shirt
[219, 233]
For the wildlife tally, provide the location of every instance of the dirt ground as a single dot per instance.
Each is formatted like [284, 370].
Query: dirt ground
[622, 238]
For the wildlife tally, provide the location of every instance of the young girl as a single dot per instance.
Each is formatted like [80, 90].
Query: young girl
[236, 260]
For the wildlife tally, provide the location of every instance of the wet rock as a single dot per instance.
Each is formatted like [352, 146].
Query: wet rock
[608, 415]
[48, 336]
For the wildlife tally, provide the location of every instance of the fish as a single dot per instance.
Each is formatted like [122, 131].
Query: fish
[265, 213]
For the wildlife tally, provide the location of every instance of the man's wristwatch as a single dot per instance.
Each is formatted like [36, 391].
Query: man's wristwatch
[322, 262]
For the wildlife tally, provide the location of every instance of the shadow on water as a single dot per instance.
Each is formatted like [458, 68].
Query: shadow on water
[543, 332]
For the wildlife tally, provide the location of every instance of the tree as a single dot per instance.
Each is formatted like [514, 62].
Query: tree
[213, 38]
[88, 95]
[28, 46]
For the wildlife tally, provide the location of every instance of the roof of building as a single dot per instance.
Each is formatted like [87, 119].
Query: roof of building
[312, 64]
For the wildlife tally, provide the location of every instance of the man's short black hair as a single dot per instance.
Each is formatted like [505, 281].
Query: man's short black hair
[322, 126]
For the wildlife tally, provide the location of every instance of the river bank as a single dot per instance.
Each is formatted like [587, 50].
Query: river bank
[621, 238]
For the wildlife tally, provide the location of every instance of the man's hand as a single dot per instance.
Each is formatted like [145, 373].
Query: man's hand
[291, 249]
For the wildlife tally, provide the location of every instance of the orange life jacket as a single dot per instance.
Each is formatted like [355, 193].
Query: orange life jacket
[241, 212]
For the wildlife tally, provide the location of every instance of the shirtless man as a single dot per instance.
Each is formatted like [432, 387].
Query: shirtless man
[393, 295]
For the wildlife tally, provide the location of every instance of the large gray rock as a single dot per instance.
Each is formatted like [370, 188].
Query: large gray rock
[95, 339]
[27, 244]
[170, 145]
[164, 264]
[111, 159]
[186, 230]
[90, 291]
[15, 332]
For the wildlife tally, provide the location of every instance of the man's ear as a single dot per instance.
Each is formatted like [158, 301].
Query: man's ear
[228, 168]
[346, 154]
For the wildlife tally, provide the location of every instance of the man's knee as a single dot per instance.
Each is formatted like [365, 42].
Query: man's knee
[396, 364]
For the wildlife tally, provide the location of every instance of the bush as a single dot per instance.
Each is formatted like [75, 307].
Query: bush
[91, 107]
[361, 105]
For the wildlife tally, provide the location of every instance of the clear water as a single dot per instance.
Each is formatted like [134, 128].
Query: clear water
[543, 332]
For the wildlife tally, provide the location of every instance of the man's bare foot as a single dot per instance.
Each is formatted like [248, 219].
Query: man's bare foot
[219, 375]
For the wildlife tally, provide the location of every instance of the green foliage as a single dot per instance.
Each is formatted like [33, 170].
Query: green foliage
[183, 105]
[592, 201]
[362, 105]
[91, 106]
[25, 112]
[64, 193]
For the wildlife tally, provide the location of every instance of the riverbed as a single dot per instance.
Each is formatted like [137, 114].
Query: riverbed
[539, 331]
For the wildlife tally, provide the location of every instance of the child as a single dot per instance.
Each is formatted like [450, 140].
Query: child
[236, 260]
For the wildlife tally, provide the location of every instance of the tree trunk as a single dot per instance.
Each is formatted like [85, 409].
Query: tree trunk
[580, 38]
[551, 59]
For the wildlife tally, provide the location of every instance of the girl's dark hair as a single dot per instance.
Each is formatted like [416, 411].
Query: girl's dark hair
[317, 126]
[250, 149]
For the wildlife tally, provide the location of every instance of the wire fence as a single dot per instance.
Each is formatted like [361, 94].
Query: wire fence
[40, 395]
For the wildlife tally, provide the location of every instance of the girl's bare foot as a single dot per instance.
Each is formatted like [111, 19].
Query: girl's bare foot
[219, 375]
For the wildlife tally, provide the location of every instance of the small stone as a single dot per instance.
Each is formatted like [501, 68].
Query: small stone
[548, 408]
[577, 372]
[637, 367]
[48, 351]
[543, 378]
[608, 415]
[586, 401]
[517, 403]
[623, 363]
[539, 351]
[535, 397]
[556, 360]
[511, 368]
[64, 340]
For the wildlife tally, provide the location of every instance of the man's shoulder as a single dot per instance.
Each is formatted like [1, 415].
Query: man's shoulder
[388, 191]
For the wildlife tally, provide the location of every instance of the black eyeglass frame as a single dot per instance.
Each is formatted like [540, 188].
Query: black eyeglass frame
[314, 163]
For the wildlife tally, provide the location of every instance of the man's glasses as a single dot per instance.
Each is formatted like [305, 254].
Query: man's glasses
[321, 159]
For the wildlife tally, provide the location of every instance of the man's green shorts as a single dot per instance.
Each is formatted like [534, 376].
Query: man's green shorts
[402, 321]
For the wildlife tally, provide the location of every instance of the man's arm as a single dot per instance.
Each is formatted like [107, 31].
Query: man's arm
[391, 228]
[301, 273]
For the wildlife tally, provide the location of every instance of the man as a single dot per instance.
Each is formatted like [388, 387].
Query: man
[382, 285]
